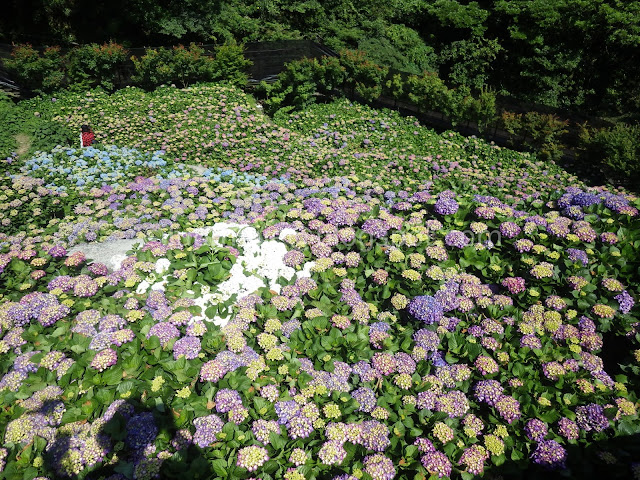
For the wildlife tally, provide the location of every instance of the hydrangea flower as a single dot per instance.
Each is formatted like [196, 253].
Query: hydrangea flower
[252, 457]
[426, 309]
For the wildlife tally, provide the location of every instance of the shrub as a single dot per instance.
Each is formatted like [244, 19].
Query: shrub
[295, 88]
[331, 75]
[230, 65]
[429, 93]
[512, 123]
[539, 132]
[47, 132]
[40, 73]
[302, 81]
[155, 67]
[96, 65]
[617, 149]
[482, 110]
[172, 65]
[545, 132]
[8, 121]
[363, 77]
[188, 65]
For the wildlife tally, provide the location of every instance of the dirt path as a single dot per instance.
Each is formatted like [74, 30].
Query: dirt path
[24, 144]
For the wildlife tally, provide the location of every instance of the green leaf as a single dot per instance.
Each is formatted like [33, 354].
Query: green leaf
[113, 376]
[270, 467]
[58, 332]
[219, 467]
[326, 342]
[277, 441]
[211, 312]
[153, 342]
[627, 427]
[450, 359]
[125, 386]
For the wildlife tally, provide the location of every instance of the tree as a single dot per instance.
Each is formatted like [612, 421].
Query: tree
[469, 62]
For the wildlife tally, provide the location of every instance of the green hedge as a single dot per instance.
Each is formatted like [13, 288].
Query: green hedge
[186, 65]
[107, 66]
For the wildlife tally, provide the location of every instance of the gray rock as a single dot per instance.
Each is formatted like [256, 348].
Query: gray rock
[110, 253]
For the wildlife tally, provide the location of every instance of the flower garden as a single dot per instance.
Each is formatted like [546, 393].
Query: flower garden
[340, 293]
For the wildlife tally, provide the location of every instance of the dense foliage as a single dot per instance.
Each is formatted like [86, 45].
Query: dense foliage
[577, 54]
[188, 65]
[110, 66]
[617, 148]
[445, 307]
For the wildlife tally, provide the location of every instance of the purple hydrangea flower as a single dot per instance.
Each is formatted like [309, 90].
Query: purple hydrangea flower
[508, 408]
[57, 251]
[50, 315]
[141, 431]
[98, 269]
[165, 332]
[436, 463]
[626, 302]
[437, 358]
[591, 417]
[474, 457]
[427, 339]
[446, 206]
[206, 429]
[426, 309]
[376, 227]
[332, 452]
[536, 429]
[456, 238]
[577, 255]
[187, 346]
[585, 199]
[379, 467]
[227, 399]
[366, 398]
[104, 359]
[509, 229]
[550, 454]
[568, 429]
[374, 435]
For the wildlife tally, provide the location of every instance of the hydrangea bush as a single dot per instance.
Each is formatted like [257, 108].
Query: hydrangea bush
[96, 167]
[457, 310]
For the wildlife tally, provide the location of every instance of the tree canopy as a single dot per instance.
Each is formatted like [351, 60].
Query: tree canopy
[578, 54]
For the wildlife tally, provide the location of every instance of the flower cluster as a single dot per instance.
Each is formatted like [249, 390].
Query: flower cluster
[364, 317]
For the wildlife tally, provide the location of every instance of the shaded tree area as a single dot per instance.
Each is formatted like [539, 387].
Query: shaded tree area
[582, 55]
[131, 22]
